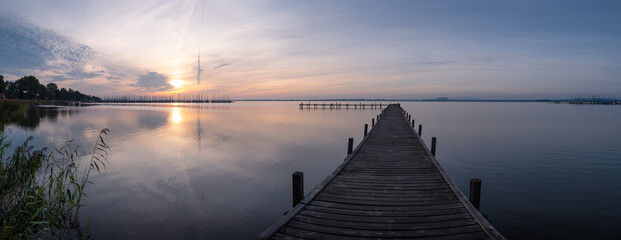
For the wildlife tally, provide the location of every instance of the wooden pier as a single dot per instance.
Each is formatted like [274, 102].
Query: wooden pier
[341, 105]
[390, 186]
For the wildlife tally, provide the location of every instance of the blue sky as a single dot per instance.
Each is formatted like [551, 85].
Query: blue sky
[318, 49]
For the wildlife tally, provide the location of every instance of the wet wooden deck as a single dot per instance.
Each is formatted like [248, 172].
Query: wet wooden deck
[391, 186]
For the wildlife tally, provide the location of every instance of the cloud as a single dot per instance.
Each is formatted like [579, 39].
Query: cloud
[221, 65]
[153, 81]
[26, 46]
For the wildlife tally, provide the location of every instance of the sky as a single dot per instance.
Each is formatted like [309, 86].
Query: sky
[413, 49]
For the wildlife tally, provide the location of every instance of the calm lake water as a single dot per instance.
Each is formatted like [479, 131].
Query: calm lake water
[223, 171]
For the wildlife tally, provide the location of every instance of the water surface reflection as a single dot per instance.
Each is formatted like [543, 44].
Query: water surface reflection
[224, 171]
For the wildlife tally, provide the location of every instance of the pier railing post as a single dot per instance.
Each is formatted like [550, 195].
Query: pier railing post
[350, 146]
[420, 130]
[298, 187]
[409, 117]
[413, 126]
[366, 129]
[475, 192]
[433, 146]
[372, 122]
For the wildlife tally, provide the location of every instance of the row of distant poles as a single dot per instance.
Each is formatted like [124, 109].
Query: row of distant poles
[180, 98]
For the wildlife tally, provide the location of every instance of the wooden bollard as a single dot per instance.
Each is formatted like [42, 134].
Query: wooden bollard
[475, 192]
[420, 130]
[433, 146]
[366, 129]
[298, 187]
[350, 146]
[409, 117]
[372, 122]
[413, 126]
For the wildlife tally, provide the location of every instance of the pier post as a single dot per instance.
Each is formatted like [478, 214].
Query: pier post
[372, 122]
[350, 146]
[475, 192]
[433, 146]
[366, 129]
[420, 130]
[298, 187]
[409, 117]
[413, 125]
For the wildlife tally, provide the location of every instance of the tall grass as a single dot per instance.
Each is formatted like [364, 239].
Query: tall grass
[41, 193]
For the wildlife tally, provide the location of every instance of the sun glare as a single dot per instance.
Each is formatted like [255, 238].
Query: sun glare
[176, 83]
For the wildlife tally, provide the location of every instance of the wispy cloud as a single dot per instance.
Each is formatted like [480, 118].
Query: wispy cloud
[221, 65]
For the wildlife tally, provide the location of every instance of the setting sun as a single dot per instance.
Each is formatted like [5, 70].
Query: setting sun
[176, 83]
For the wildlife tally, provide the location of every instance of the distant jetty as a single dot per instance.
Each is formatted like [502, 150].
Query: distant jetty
[595, 101]
[341, 105]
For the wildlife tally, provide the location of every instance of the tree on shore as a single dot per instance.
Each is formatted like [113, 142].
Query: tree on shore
[28, 87]
[52, 88]
[2, 84]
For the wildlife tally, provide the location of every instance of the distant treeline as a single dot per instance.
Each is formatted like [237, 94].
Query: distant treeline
[28, 87]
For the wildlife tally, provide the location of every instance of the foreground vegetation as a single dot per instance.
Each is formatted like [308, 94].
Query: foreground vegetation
[41, 193]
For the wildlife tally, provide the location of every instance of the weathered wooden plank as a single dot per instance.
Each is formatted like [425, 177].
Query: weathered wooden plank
[439, 187]
[391, 219]
[402, 185]
[384, 192]
[368, 207]
[410, 178]
[398, 178]
[386, 233]
[305, 234]
[386, 213]
[383, 203]
[379, 181]
[383, 226]
[425, 198]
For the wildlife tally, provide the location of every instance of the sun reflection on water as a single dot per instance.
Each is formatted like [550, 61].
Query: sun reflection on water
[175, 115]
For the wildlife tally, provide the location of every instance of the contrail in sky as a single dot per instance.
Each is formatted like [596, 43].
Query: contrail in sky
[186, 13]
[198, 70]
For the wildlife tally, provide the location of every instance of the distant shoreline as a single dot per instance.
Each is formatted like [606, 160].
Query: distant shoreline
[568, 101]
[390, 100]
